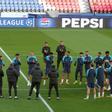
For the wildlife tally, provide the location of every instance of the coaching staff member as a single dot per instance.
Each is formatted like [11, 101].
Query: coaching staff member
[46, 50]
[12, 75]
[53, 81]
[61, 49]
[36, 75]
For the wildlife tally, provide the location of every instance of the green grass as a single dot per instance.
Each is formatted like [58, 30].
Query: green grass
[26, 40]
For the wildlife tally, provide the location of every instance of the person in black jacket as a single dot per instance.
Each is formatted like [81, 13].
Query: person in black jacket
[61, 49]
[79, 68]
[12, 75]
[45, 51]
[1, 83]
[36, 74]
[53, 82]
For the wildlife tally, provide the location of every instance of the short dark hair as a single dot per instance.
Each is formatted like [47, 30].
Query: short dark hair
[68, 52]
[17, 54]
[0, 56]
[11, 64]
[92, 65]
[51, 53]
[99, 53]
[107, 52]
[81, 53]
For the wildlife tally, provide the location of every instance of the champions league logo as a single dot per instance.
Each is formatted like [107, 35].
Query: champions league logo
[29, 22]
[17, 22]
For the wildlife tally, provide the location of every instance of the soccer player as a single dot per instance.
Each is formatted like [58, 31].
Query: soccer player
[87, 60]
[45, 50]
[1, 81]
[109, 70]
[1, 62]
[67, 60]
[36, 75]
[90, 75]
[100, 80]
[61, 49]
[17, 63]
[12, 75]
[106, 61]
[99, 59]
[49, 61]
[79, 68]
[31, 61]
[53, 81]
[1, 74]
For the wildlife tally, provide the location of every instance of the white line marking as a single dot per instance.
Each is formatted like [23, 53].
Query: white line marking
[23, 75]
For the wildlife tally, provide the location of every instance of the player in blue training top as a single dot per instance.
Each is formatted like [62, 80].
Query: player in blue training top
[17, 63]
[90, 75]
[100, 80]
[49, 61]
[31, 61]
[106, 61]
[99, 59]
[1, 62]
[109, 70]
[67, 60]
[79, 68]
[87, 60]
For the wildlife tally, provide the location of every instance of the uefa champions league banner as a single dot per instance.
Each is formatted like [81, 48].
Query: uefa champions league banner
[17, 22]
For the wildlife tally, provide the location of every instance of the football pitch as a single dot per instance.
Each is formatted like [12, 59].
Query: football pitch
[23, 41]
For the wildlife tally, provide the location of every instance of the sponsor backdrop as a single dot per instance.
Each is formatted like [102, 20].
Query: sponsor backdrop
[86, 21]
[63, 21]
[75, 21]
[82, 23]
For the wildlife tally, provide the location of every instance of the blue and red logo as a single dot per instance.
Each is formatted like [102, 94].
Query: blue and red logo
[46, 23]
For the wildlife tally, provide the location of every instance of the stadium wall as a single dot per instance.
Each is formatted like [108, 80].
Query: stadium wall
[62, 21]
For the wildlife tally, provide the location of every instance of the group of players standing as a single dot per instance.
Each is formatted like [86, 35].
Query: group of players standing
[96, 77]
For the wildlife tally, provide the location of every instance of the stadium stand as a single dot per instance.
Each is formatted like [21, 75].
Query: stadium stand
[21, 6]
[62, 6]
[101, 6]
[39, 5]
